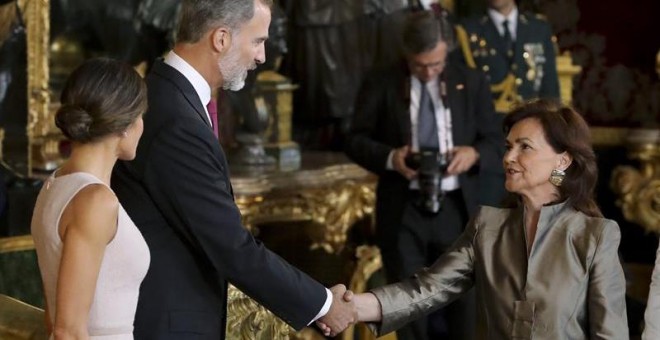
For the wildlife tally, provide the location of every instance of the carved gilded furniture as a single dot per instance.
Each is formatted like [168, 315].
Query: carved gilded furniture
[329, 193]
[639, 189]
[566, 71]
[249, 320]
[43, 135]
[637, 192]
[19, 277]
[20, 321]
[328, 190]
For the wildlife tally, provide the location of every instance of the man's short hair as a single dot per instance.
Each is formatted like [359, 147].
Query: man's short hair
[421, 33]
[199, 16]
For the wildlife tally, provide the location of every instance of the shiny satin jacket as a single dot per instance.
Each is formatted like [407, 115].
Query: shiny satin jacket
[570, 287]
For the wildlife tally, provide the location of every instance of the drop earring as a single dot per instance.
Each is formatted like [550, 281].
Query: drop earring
[557, 177]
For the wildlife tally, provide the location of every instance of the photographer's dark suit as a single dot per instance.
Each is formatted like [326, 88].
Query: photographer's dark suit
[410, 239]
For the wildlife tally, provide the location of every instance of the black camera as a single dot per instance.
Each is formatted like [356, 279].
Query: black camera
[431, 166]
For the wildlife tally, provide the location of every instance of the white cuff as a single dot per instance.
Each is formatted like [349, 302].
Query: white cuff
[326, 307]
[389, 165]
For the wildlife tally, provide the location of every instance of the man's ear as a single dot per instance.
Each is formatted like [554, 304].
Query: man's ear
[221, 39]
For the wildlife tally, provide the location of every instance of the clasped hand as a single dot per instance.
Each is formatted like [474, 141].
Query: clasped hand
[341, 315]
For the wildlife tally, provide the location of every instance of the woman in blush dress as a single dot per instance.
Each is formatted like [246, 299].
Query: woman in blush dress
[91, 256]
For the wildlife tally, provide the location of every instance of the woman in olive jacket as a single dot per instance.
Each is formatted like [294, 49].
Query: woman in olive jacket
[545, 268]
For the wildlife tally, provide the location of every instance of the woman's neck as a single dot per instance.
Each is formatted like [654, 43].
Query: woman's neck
[97, 159]
[534, 203]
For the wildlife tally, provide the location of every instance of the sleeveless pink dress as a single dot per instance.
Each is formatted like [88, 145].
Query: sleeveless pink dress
[124, 265]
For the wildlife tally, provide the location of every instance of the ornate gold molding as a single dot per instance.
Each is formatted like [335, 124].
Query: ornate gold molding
[19, 320]
[16, 243]
[368, 262]
[639, 189]
[609, 136]
[248, 320]
[333, 198]
[566, 70]
[7, 17]
[43, 136]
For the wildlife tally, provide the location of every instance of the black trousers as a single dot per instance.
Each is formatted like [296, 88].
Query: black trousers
[421, 239]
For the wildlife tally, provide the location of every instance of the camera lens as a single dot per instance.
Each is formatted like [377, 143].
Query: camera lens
[430, 172]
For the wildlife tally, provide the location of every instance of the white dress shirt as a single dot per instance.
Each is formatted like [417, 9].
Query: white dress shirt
[498, 20]
[198, 82]
[203, 90]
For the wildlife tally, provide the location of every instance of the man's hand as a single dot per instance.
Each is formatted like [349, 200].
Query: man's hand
[462, 159]
[341, 314]
[399, 162]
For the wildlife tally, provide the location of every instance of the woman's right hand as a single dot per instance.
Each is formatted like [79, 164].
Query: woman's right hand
[367, 305]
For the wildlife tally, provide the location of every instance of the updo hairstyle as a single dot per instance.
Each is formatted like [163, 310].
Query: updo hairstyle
[101, 97]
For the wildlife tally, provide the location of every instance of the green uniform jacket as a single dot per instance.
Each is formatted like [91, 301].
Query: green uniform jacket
[534, 61]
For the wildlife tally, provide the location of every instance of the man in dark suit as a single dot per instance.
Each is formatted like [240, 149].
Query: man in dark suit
[424, 103]
[514, 50]
[178, 192]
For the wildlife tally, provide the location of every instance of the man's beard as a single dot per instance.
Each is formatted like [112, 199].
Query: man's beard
[233, 74]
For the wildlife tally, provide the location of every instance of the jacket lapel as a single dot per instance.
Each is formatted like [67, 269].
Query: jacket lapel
[456, 98]
[403, 106]
[492, 34]
[186, 88]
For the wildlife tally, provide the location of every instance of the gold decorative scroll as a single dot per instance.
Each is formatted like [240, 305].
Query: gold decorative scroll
[333, 198]
[639, 189]
[16, 243]
[566, 70]
[37, 18]
[369, 262]
[248, 320]
[43, 136]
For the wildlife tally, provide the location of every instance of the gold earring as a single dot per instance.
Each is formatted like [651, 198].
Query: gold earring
[557, 177]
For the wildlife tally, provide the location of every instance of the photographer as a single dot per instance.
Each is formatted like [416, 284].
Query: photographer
[445, 111]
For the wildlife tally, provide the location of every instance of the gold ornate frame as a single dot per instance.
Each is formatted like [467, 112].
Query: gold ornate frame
[43, 136]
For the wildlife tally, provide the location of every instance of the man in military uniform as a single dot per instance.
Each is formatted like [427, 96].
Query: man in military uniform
[515, 50]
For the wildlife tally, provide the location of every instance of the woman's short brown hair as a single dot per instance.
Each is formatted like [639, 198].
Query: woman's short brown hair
[566, 131]
[101, 97]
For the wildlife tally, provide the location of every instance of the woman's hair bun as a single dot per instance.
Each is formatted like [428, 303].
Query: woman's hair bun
[75, 122]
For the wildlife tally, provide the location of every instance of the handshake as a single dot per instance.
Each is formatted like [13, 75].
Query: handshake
[347, 309]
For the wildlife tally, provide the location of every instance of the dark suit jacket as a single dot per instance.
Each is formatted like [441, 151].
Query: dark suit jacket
[533, 35]
[177, 191]
[382, 123]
